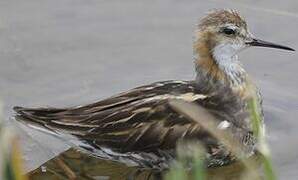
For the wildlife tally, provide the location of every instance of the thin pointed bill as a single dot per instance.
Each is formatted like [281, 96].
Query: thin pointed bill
[261, 43]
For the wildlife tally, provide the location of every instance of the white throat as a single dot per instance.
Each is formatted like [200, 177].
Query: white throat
[226, 58]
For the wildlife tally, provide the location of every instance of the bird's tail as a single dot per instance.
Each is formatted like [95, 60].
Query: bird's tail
[48, 120]
[38, 118]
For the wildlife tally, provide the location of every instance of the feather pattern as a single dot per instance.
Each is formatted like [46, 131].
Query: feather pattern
[139, 122]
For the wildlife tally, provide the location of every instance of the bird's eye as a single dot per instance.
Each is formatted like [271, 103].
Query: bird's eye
[228, 31]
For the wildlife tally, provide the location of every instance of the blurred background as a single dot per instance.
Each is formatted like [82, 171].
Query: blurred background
[71, 52]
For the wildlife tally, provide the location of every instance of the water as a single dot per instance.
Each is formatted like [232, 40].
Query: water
[71, 52]
[87, 168]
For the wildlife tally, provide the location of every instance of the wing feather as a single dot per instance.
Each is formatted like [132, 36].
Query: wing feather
[140, 119]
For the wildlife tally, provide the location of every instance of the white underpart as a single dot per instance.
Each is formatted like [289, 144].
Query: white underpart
[223, 125]
[225, 55]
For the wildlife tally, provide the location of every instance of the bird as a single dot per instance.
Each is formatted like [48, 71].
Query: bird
[140, 128]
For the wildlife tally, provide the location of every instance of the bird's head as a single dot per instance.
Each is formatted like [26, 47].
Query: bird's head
[227, 33]
[219, 37]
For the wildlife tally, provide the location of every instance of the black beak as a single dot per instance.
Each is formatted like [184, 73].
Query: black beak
[258, 42]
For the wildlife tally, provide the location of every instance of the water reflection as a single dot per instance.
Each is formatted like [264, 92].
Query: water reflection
[75, 165]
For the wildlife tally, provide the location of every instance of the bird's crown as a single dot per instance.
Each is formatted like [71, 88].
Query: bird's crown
[221, 17]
